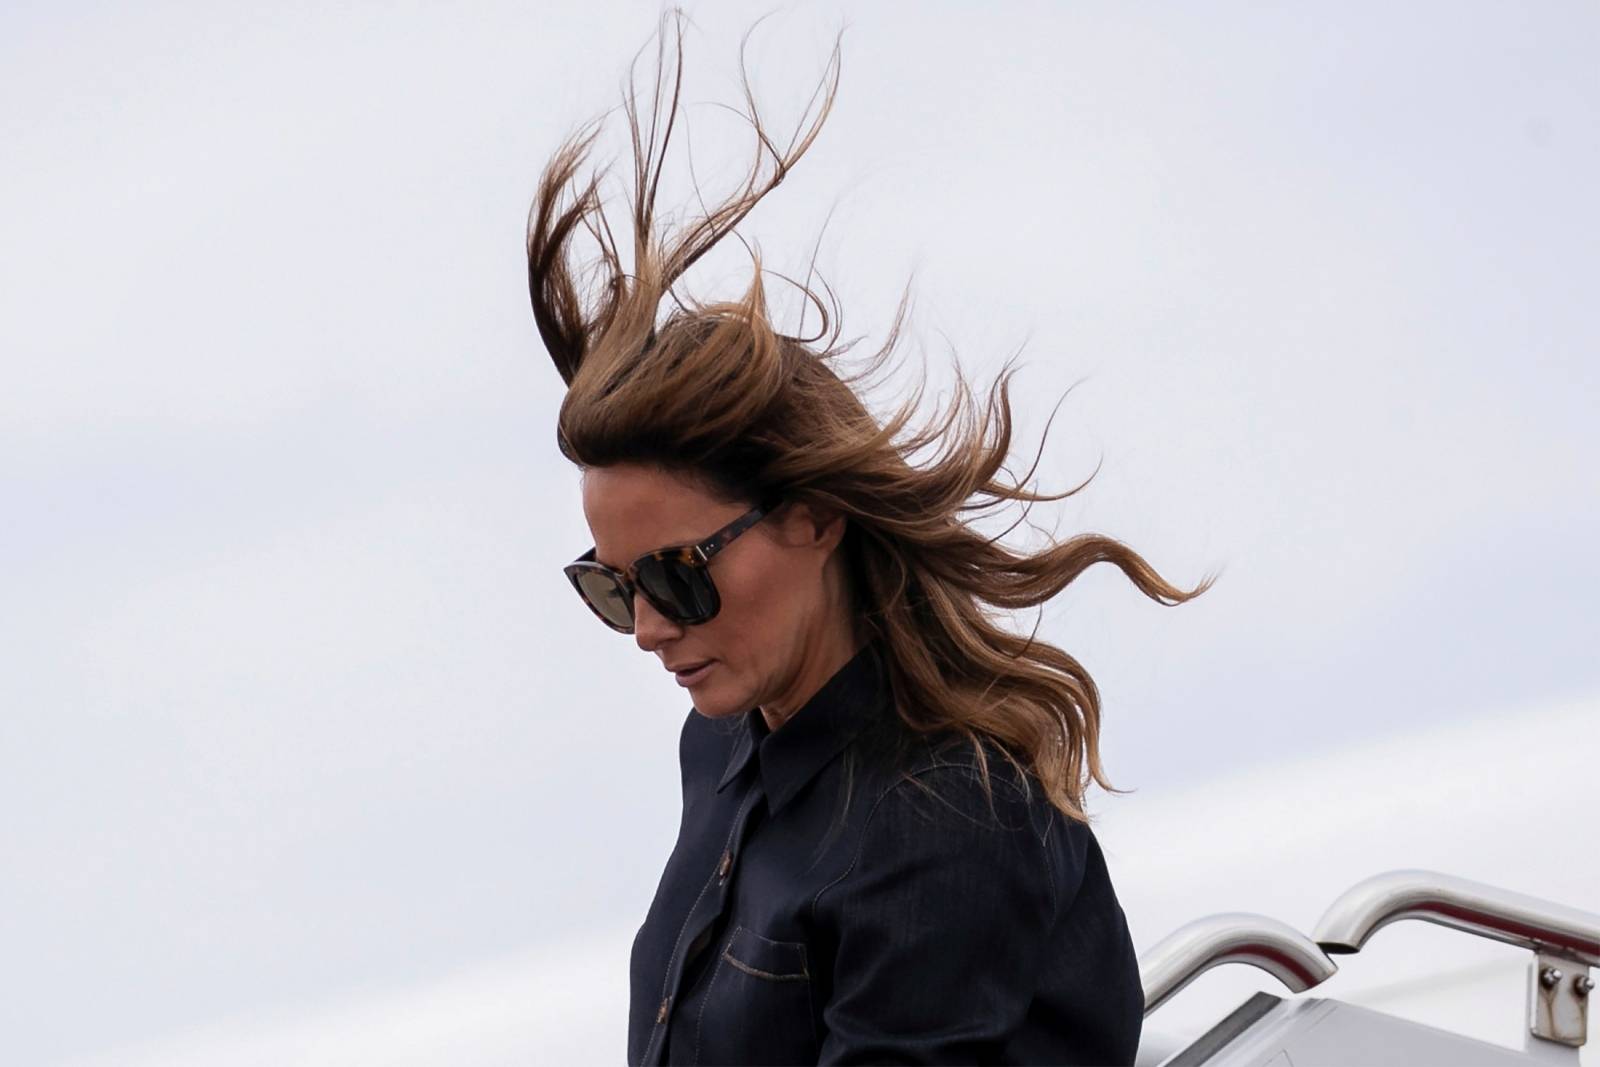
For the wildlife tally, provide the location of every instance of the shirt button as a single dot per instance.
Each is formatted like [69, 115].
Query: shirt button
[725, 866]
[661, 1015]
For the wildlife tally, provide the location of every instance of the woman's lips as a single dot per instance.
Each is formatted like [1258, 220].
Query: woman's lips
[688, 678]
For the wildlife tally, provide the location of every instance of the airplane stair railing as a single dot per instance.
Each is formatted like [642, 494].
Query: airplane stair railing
[1565, 943]
[1232, 937]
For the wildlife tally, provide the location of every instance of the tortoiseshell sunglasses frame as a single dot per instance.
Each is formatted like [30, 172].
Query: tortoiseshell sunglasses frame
[693, 556]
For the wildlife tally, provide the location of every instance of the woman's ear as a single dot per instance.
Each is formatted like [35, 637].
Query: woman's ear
[833, 525]
[826, 528]
[814, 527]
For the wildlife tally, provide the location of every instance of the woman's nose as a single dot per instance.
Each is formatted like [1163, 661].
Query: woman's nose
[650, 627]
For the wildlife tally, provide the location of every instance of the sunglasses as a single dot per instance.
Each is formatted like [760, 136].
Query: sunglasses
[674, 579]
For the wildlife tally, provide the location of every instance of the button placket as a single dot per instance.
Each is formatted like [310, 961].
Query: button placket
[653, 1050]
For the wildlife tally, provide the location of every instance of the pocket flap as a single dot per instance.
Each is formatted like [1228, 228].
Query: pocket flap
[762, 957]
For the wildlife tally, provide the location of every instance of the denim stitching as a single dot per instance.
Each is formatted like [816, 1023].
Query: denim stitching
[705, 997]
[748, 968]
[861, 844]
[666, 978]
[804, 976]
[861, 841]
[756, 972]
[1049, 864]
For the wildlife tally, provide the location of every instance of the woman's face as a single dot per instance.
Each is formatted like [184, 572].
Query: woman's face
[781, 587]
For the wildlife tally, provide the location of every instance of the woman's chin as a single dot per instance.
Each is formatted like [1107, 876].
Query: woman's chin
[713, 706]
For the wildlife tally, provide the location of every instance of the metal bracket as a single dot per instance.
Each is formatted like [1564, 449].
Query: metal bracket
[1558, 999]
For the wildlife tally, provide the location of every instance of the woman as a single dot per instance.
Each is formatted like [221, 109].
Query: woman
[883, 853]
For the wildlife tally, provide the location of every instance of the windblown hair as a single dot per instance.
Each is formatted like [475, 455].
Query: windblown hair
[713, 392]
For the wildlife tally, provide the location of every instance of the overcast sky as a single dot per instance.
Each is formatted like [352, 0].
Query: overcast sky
[296, 704]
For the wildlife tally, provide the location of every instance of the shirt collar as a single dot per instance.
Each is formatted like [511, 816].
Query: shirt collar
[793, 754]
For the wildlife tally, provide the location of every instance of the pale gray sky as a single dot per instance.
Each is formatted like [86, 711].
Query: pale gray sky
[297, 703]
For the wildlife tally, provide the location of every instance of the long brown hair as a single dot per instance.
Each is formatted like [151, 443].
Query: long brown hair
[712, 391]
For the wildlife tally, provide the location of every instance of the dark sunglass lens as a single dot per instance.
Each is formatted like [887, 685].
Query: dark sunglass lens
[687, 589]
[607, 596]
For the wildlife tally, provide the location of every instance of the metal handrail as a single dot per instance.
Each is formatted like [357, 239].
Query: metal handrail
[1231, 937]
[1463, 904]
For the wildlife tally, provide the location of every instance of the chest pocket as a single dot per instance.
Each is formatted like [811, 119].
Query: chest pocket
[757, 1004]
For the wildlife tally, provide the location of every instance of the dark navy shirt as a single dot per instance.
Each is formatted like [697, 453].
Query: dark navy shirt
[818, 909]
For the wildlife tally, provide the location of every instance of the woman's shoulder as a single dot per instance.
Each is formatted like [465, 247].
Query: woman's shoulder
[953, 755]
[943, 777]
